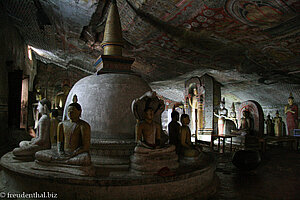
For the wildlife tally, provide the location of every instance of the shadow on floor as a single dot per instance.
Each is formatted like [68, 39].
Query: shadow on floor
[277, 177]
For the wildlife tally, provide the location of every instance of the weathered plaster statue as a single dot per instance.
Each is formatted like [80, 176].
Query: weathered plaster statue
[186, 147]
[269, 126]
[222, 114]
[291, 111]
[73, 141]
[193, 101]
[42, 139]
[148, 131]
[225, 124]
[174, 128]
[277, 124]
[60, 99]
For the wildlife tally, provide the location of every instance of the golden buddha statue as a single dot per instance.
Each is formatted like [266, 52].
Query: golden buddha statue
[186, 147]
[73, 141]
[27, 149]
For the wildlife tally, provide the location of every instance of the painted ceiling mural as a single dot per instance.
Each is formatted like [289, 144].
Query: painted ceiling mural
[172, 39]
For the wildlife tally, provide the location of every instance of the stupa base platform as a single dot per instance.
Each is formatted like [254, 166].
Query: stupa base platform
[188, 182]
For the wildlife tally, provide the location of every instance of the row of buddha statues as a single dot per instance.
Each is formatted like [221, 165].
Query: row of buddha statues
[73, 139]
[73, 136]
[274, 127]
[152, 143]
[59, 99]
[228, 124]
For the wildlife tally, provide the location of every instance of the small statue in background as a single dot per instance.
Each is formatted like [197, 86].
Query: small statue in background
[193, 101]
[291, 111]
[174, 128]
[38, 95]
[232, 115]
[278, 124]
[222, 114]
[60, 99]
[186, 147]
[27, 149]
[73, 141]
[269, 126]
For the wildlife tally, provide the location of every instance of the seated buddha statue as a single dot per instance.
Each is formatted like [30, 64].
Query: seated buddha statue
[187, 149]
[28, 149]
[245, 125]
[150, 154]
[73, 141]
[148, 131]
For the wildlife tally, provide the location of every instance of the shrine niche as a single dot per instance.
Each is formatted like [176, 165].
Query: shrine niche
[202, 96]
[256, 116]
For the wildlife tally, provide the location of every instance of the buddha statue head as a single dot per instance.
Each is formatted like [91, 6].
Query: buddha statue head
[66, 89]
[74, 110]
[277, 113]
[245, 113]
[222, 103]
[149, 113]
[185, 119]
[195, 92]
[44, 106]
[291, 99]
[175, 115]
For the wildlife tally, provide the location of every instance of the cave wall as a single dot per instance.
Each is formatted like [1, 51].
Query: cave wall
[14, 59]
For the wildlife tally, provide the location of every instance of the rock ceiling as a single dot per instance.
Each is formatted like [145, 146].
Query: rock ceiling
[250, 46]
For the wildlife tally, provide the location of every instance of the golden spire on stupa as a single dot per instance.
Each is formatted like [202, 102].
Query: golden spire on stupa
[113, 41]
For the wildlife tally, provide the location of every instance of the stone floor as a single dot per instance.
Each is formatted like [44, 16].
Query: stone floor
[277, 177]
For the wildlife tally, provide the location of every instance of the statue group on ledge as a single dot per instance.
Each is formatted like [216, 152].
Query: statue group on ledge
[73, 140]
[149, 133]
